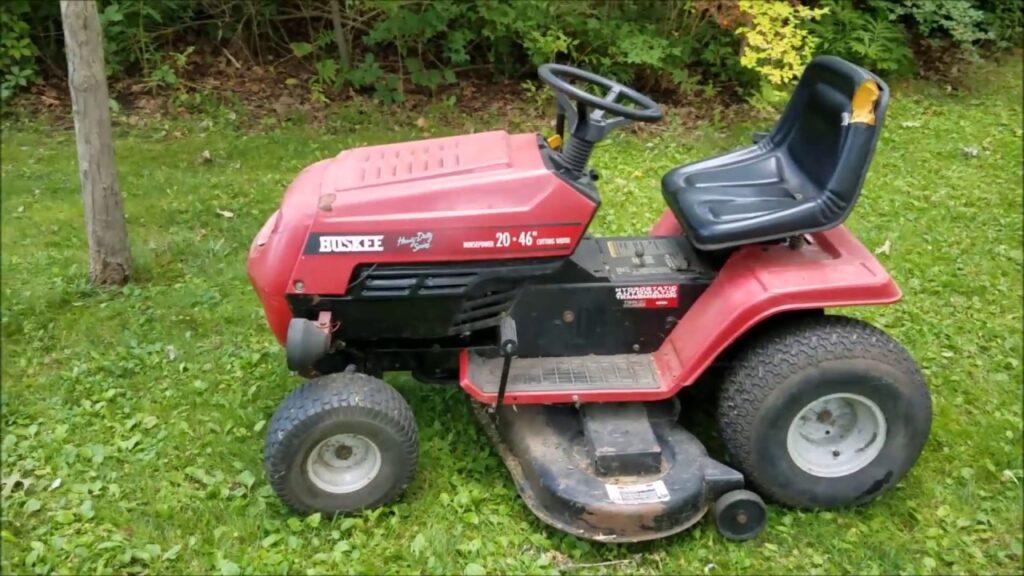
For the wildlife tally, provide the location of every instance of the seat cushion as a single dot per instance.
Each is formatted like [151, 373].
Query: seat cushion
[749, 195]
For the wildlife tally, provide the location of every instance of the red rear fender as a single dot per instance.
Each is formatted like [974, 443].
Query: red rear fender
[758, 282]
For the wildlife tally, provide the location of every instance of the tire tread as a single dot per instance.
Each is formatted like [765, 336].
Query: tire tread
[347, 394]
[771, 358]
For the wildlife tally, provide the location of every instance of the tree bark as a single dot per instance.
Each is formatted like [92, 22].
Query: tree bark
[109, 255]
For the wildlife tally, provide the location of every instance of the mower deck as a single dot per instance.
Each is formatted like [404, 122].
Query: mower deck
[608, 472]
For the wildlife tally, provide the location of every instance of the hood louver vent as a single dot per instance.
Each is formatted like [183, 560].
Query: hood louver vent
[484, 292]
[483, 312]
[411, 282]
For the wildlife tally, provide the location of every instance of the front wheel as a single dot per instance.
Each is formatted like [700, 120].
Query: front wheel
[824, 412]
[341, 443]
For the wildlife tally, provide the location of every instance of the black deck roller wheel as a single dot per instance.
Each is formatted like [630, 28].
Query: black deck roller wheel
[341, 443]
[740, 515]
[823, 411]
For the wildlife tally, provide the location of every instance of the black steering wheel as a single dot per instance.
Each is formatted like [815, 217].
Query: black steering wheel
[586, 127]
[557, 76]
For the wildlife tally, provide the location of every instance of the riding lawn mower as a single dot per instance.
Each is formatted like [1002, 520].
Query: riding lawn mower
[466, 260]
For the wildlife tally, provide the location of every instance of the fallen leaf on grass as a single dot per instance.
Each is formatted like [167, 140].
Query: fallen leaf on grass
[419, 543]
[225, 213]
[422, 123]
[86, 510]
[884, 248]
[246, 478]
[11, 482]
[228, 568]
[205, 157]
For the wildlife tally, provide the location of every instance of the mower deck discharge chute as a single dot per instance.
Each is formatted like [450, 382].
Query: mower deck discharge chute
[465, 260]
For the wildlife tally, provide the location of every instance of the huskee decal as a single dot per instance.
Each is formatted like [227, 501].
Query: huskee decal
[653, 296]
[334, 244]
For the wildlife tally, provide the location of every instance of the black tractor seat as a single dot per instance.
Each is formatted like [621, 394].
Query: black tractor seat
[803, 177]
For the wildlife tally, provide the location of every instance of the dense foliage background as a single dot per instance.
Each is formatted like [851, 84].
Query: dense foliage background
[391, 48]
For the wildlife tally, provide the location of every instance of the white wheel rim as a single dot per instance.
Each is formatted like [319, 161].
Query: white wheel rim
[836, 435]
[343, 463]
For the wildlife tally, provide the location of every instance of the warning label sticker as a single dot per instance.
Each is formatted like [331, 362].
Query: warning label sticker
[653, 296]
[637, 493]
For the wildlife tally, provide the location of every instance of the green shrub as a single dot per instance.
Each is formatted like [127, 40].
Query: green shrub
[388, 48]
[958, 20]
[132, 34]
[667, 46]
[1005, 18]
[17, 52]
[867, 36]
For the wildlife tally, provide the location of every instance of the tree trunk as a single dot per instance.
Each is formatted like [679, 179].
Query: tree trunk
[342, 39]
[109, 256]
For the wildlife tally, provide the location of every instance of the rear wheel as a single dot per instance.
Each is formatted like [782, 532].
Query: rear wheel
[824, 412]
[341, 443]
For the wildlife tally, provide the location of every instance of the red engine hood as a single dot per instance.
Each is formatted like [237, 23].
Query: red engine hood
[415, 183]
[481, 196]
[400, 170]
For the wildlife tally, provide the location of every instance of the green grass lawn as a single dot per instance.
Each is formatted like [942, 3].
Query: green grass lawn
[133, 421]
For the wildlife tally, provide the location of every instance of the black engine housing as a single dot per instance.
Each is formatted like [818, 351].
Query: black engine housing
[612, 296]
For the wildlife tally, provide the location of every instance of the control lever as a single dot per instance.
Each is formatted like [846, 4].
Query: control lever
[638, 254]
[509, 347]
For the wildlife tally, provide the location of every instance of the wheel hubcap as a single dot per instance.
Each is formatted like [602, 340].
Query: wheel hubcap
[343, 463]
[836, 435]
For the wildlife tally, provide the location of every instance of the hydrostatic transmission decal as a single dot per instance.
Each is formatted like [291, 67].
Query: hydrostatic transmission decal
[652, 296]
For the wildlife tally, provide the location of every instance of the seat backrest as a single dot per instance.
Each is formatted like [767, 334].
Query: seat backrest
[830, 127]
